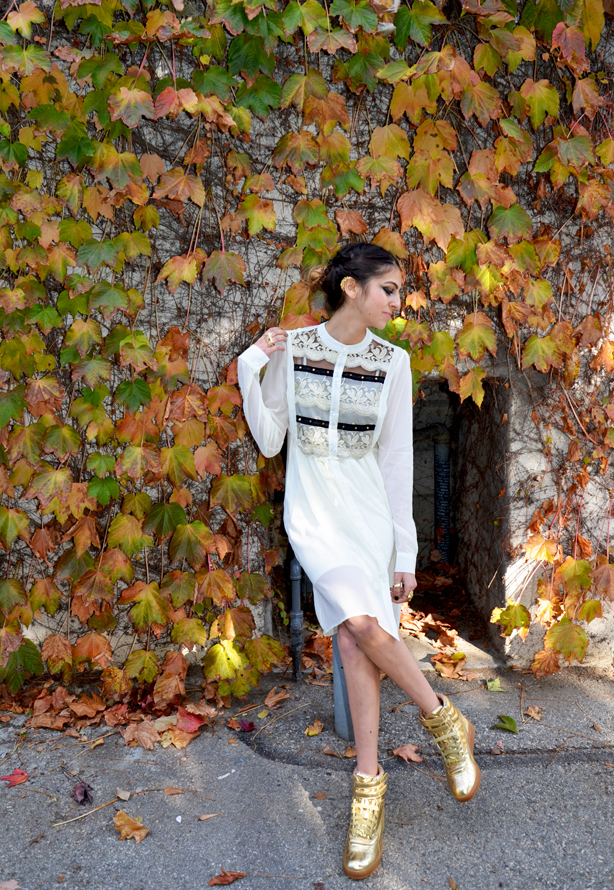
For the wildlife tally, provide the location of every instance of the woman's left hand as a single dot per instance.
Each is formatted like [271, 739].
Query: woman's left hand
[405, 592]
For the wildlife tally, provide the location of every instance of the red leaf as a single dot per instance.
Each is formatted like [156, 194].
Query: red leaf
[15, 778]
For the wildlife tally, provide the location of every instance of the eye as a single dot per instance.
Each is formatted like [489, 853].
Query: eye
[389, 291]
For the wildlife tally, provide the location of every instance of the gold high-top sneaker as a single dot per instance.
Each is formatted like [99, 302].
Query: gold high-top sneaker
[363, 848]
[454, 735]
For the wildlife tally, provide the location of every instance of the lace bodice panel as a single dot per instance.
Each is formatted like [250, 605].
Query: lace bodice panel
[337, 394]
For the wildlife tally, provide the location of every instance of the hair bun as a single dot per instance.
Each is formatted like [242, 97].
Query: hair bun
[315, 277]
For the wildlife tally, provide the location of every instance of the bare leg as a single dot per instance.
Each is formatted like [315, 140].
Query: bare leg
[394, 658]
[363, 685]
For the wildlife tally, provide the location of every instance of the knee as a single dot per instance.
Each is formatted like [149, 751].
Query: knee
[346, 642]
[362, 628]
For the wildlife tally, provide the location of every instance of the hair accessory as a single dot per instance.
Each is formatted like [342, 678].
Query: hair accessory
[343, 280]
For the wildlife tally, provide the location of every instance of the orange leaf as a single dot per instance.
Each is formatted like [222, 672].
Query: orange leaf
[143, 734]
[226, 877]
[129, 827]
[274, 698]
[408, 753]
[15, 778]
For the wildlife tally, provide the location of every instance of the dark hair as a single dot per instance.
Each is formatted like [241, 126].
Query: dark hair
[359, 261]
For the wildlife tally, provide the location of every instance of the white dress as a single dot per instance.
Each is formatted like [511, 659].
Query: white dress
[349, 475]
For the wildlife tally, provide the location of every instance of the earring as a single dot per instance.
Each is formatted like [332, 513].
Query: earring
[343, 280]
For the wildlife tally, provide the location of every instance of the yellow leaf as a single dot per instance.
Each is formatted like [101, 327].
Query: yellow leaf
[315, 728]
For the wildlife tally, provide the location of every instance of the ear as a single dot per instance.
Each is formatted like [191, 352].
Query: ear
[351, 289]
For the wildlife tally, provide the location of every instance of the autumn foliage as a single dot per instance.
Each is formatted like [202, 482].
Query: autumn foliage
[455, 136]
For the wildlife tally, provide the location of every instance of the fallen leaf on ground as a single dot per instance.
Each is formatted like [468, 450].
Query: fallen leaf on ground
[171, 790]
[189, 722]
[178, 738]
[314, 728]
[227, 877]
[408, 753]
[349, 752]
[468, 675]
[96, 743]
[262, 714]
[494, 685]
[452, 884]
[507, 723]
[123, 795]
[597, 728]
[15, 778]
[274, 698]
[143, 734]
[535, 712]
[320, 795]
[6, 718]
[246, 726]
[330, 752]
[208, 816]
[129, 827]
[82, 793]
[233, 724]
[9, 885]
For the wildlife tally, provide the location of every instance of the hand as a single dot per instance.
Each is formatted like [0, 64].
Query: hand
[405, 593]
[272, 341]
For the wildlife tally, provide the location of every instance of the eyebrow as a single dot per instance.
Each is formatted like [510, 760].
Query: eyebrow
[394, 284]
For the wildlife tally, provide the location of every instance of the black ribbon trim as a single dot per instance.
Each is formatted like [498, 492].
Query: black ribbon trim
[328, 372]
[350, 427]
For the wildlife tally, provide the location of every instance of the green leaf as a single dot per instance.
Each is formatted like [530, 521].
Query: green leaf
[11, 405]
[218, 586]
[191, 542]
[26, 59]
[263, 95]
[75, 144]
[514, 617]
[232, 492]
[108, 298]
[13, 524]
[513, 223]
[494, 685]
[11, 594]
[126, 532]
[223, 661]
[76, 232]
[542, 99]
[177, 463]
[263, 652]
[94, 254]
[189, 630]
[246, 54]
[163, 519]
[214, 81]
[506, 723]
[133, 394]
[62, 440]
[100, 69]
[45, 594]
[355, 14]
[150, 608]
[568, 639]
[142, 665]
[542, 352]
[416, 23]
[24, 661]
[180, 586]
[104, 490]
[574, 574]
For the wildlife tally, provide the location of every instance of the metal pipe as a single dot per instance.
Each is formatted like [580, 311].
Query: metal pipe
[343, 717]
[441, 441]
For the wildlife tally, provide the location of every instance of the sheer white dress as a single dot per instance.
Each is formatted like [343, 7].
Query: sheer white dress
[347, 411]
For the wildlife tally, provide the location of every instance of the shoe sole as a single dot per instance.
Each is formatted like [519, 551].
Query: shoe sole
[478, 778]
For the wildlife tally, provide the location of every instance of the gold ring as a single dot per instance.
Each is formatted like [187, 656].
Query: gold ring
[400, 584]
[269, 339]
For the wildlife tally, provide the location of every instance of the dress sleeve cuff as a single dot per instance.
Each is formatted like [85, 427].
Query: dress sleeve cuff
[405, 562]
[254, 358]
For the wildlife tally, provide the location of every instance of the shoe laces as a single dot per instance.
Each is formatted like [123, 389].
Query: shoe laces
[452, 747]
[363, 818]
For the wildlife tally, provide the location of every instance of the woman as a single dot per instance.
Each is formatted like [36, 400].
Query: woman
[344, 397]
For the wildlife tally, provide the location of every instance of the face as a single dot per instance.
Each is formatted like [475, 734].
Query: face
[380, 300]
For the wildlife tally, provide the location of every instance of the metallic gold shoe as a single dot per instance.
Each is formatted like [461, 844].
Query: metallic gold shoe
[454, 735]
[363, 848]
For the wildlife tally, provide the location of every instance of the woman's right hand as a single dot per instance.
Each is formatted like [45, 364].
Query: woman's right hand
[272, 341]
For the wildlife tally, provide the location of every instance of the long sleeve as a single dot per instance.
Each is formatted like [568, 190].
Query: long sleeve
[265, 406]
[396, 461]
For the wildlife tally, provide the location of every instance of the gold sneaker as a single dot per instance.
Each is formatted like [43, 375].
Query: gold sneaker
[454, 735]
[363, 848]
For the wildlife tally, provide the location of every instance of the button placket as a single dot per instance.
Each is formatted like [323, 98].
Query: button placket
[335, 398]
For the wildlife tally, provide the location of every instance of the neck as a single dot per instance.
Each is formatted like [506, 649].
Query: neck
[346, 328]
